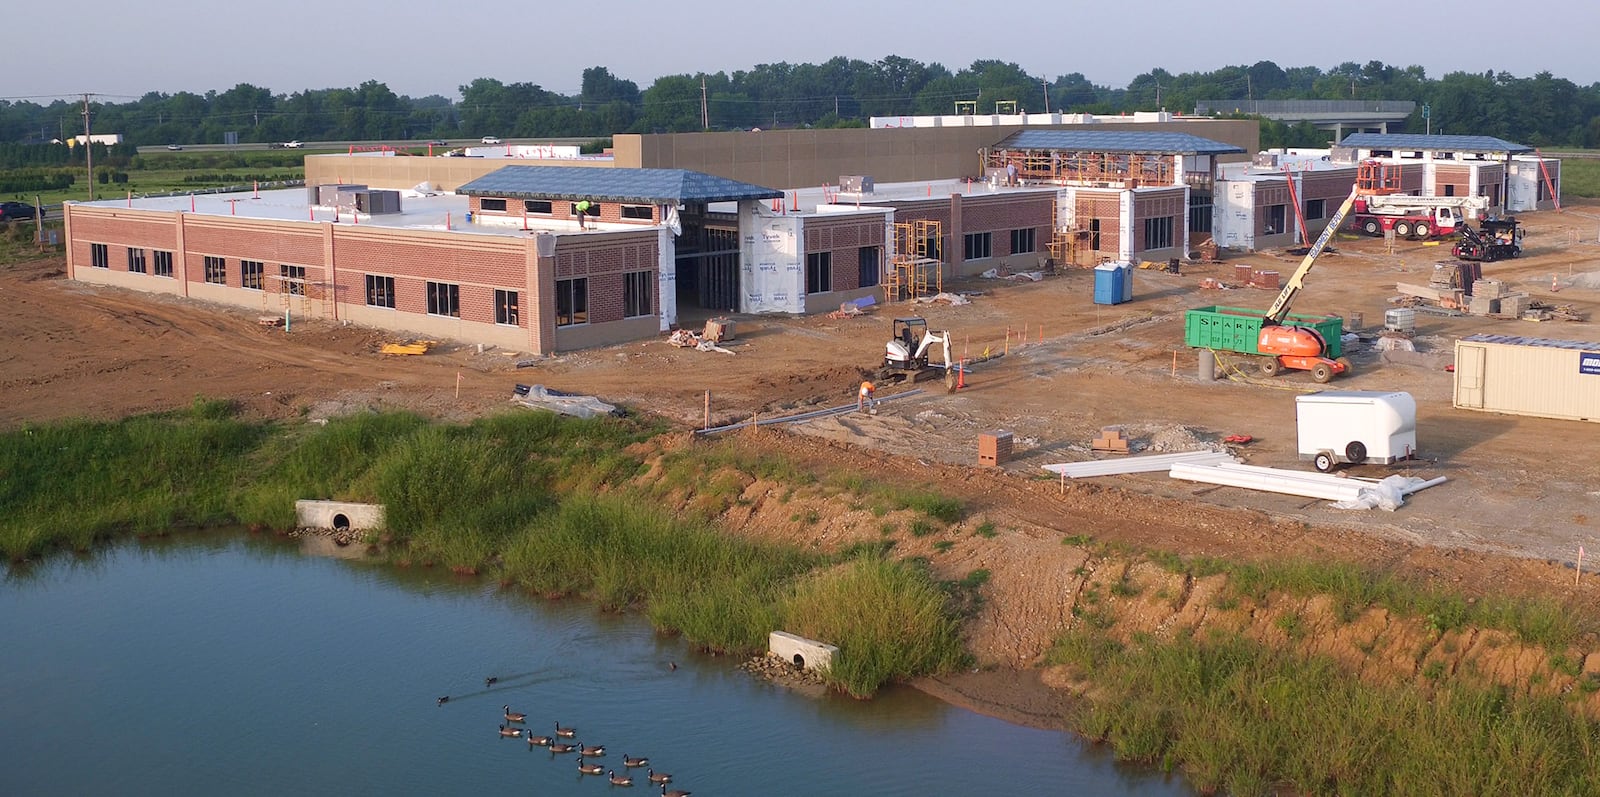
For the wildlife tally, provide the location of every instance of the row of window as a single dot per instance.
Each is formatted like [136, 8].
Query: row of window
[545, 207]
[572, 298]
[100, 257]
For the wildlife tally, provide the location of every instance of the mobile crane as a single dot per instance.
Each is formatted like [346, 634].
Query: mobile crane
[1279, 339]
[1381, 205]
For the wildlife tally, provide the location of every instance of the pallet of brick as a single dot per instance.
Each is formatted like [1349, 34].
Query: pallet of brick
[1113, 439]
[1482, 305]
[719, 330]
[1514, 304]
[1243, 273]
[1265, 279]
[1488, 289]
[994, 448]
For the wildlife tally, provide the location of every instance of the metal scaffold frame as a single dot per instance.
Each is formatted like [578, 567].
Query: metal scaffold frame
[1128, 170]
[1066, 241]
[309, 291]
[917, 268]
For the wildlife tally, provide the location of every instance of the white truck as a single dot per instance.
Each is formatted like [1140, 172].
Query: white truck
[1413, 216]
[1352, 427]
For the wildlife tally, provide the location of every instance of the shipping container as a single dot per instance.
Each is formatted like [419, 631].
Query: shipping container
[1238, 329]
[1528, 376]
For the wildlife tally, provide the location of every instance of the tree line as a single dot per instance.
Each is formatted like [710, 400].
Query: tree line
[1541, 111]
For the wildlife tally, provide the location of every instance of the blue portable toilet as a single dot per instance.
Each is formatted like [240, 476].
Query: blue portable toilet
[1127, 282]
[1112, 285]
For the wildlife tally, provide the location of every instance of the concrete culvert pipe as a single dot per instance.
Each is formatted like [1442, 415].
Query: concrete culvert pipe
[799, 661]
[341, 522]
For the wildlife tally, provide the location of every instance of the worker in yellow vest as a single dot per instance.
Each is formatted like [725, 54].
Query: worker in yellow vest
[865, 400]
[583, 210]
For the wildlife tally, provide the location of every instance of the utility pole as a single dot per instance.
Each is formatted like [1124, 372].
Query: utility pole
[88, 147]
[705, 117]
[1046, 84]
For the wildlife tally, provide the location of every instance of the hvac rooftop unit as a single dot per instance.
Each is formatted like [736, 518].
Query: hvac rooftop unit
[855, 184]
[378, 201]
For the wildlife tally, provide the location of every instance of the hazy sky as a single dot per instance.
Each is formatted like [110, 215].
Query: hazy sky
[124, 49]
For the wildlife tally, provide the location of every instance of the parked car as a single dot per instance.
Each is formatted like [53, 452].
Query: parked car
[15, 210]
[492, 140]
[175, 147]
[438, 142]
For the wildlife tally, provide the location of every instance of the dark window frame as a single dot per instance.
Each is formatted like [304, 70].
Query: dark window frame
[572, 302]
[638, 294]
[1316, 209]
[977, 246]
[870, 269]
[1276, 220]
[99, 256]
[444, 299]
[538, 207]
[638, 212]
[507, 308]
[161, 263]
[252, 275]
[294, 279]
[136, 260]
[487, 205]
[1158, 233]
[216, 269]
[380, 291]
[819, 272]
[1024, 241]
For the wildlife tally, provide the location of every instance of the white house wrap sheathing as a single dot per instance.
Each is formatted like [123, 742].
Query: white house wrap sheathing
[1148, 463]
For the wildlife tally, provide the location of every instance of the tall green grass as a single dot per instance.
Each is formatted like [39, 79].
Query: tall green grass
[891, 620]
[1238, 716]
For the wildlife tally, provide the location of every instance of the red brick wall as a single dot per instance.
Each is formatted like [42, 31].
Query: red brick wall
[274, 246]
[1332, 185]
[1108, 210]
[603, 260]
[930, 210]
[844, 237]
[477, 266]
[1006, 212]
[140, 230]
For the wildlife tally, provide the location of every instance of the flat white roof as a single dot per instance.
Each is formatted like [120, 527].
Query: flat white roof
[439, 211]
[809, 199]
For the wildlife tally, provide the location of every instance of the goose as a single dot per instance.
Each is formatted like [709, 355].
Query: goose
[565, 733]
[592, 752]
[557, 747]
[673, 793]
[539, 741]
[629, 761]
[659, 777]
[490, 681]
[513, 716]
[444, 700]
[589, 769]
[504, 731]
[618, 780]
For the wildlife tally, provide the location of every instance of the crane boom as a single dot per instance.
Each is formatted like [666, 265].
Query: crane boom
[1280, 307]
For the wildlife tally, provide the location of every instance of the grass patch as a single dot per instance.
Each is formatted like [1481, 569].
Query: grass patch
[1240, 717]
[890, 620]
[921, 527]
[1077, 540]
[985, 530]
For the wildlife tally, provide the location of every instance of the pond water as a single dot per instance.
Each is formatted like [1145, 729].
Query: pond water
[238, 664]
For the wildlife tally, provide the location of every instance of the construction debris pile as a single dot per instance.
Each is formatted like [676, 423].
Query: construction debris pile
[1458, 287]
[689, 339]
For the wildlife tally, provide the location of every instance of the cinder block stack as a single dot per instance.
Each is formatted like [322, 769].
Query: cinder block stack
[1113, 439]
[1486, 297]
[994, 448]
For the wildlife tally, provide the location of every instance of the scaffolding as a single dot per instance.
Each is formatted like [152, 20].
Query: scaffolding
[1067, 240]
[917, 268]
[1104, 169]
[310, 293]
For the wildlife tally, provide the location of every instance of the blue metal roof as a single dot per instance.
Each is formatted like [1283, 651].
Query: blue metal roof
[613, 185]
[1544, 343]
[1414, 141]
[1117, 141]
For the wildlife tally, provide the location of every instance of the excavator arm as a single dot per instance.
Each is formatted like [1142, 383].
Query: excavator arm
[1280, 308]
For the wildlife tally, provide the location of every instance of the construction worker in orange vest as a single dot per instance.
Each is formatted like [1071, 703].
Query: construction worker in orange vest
[864, 399]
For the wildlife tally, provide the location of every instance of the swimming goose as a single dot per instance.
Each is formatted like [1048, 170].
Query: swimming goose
[513, 716]
[557, 747]
[565, 733]
[616, 780]
[490, 681]
[641, 761]
[673, 793]
[659, 777]
[444, 700]
[589, 769]
[592, 752]
[504, 731]
[539, 741]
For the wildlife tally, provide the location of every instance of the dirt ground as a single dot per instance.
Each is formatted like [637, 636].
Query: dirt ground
[1522, 495]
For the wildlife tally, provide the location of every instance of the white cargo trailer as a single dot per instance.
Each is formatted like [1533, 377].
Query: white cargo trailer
[1338, 427]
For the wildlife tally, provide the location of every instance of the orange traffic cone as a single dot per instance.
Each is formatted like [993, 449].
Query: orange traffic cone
[1555, 287]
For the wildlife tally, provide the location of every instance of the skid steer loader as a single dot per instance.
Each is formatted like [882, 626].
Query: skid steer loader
[906, 355]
